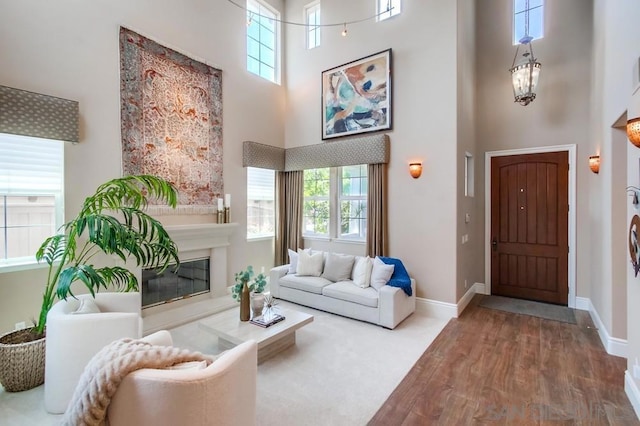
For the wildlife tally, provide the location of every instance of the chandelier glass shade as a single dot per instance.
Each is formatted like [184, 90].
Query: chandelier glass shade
[525, 74]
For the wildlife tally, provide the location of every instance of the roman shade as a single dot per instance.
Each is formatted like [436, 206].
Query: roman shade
[42, 116]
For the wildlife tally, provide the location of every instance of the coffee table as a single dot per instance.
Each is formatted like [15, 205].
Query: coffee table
[271, 340]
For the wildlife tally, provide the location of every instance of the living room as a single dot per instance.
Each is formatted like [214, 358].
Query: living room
[451, 96]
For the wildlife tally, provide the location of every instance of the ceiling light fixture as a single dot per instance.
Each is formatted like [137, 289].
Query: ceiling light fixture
[303, 24]
[525, 75]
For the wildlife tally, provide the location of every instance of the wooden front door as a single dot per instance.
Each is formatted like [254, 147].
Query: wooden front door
[529, 226]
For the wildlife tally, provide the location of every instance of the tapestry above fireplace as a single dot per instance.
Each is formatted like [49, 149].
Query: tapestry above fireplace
[171, 111]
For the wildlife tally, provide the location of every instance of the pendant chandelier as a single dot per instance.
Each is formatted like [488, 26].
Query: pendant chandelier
[525, 74]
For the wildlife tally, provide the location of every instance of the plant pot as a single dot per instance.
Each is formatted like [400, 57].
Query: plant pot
[257, 304]
[21, 364]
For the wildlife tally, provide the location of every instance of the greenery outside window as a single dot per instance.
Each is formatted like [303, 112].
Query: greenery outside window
[31, 195]
[260, 203]
[335, 203]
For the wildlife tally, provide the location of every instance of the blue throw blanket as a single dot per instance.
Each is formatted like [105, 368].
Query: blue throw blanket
[400, 277]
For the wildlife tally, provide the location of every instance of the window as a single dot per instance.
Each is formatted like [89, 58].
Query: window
[261, 215]
[31, 195]
[388, 8]
[312, 19]
[468, 175]
[535, 11]
[262, 49]
[335, 203]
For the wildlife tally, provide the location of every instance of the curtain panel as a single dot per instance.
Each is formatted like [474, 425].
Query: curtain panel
[289, 195]
[377, 237]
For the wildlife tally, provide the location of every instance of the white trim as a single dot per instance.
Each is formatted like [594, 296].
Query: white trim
[582, 303]
[436, 308]
[464, 300]
[613, 345]
[481, 288]
[631, 389]
[571, 149]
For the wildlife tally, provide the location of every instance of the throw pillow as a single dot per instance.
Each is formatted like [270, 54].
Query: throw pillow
[380, 274]
[400, 277]
[309, 264]
[338, 267]
[293, 260]
[87, 306]
[362, 271]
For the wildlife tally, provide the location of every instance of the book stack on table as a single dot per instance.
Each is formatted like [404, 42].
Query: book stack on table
[267, 321]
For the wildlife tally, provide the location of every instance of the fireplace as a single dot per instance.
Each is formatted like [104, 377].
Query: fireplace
[198, 288]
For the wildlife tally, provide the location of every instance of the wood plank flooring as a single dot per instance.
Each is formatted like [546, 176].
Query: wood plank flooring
[499, 368]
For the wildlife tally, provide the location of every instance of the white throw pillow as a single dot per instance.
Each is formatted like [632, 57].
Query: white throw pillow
[381, 273]
[338, 267]
[87, 306]
[293, 260]
[362, 271]
[309, 264]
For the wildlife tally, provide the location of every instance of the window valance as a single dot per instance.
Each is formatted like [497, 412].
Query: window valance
[365, 150]
[33, 114]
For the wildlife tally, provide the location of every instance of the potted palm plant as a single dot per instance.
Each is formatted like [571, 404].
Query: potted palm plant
[111, 221]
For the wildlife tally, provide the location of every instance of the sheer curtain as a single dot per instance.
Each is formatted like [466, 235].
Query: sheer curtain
[377, 238]
[289, 194]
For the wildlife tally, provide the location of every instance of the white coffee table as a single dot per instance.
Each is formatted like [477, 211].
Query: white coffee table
[271, 340]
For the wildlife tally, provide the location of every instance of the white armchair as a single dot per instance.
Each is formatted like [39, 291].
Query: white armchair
[224, 393]
[73, 339]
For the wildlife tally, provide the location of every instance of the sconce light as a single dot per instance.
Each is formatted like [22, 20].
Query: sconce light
[633, 131]
[415, 170]
[594, 163]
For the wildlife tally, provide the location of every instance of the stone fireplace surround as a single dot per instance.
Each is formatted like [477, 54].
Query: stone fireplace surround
[195, 241]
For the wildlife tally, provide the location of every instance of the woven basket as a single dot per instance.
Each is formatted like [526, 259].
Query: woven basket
[21, 364]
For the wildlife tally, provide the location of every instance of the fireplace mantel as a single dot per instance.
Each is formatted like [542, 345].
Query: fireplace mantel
[196, 241]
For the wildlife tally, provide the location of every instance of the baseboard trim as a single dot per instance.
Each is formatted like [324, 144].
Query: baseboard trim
[436, 308]
[613, 345]
[631, 389]
[464, 301]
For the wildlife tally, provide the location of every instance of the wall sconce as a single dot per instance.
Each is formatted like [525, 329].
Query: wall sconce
[633, 131]
[415, 170]
[594, 163]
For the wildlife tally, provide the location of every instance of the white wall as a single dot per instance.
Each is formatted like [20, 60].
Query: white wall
[70, 49]
[423, 37]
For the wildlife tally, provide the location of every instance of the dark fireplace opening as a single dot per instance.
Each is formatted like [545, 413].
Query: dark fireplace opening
[191, 279]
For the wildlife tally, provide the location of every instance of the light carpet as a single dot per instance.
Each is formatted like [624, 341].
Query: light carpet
[528, 307]
[339, 372]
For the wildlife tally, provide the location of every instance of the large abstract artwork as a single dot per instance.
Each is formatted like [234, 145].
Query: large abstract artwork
[171, 108]
[356, 97]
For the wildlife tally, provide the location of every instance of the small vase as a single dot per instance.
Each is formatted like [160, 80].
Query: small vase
[245, 312]
[257, 304]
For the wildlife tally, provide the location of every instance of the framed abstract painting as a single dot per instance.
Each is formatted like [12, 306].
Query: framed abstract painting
[356, 97]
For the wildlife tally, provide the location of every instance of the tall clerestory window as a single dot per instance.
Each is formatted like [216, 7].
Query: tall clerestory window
[535, 10]
[388, 8]
[262, 40]
[312, 21]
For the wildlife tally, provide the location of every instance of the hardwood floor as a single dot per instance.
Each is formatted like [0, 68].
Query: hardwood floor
[494, 367]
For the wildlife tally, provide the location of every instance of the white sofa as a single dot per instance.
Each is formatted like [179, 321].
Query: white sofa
[386, 307]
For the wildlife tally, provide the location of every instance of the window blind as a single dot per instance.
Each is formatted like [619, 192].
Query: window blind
[260, 184]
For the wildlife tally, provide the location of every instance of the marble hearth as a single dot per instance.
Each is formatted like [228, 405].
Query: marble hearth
[195, 241]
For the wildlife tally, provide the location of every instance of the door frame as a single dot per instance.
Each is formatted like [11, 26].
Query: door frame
[571, 150]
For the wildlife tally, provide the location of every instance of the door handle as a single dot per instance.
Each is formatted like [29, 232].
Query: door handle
[494, 244]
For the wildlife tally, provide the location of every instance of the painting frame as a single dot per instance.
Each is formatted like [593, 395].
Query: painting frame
[356, 96]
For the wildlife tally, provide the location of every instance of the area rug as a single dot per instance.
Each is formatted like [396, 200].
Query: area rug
[527, 307]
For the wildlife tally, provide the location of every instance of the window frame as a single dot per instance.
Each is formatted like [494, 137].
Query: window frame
[362, 237]
[382, 14]
[322, 198]
[314, 6]
[261, 236]
[334, 224]
[259, 7]
[514, 29]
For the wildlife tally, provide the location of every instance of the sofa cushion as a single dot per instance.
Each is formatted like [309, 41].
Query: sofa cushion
[362, 271]
[345, 290]
[380, 274]
[293, 260]
[338, 267]
[310, 284]
[309, 264]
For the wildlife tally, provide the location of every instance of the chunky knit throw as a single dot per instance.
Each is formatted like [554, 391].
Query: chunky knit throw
[107, 369]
